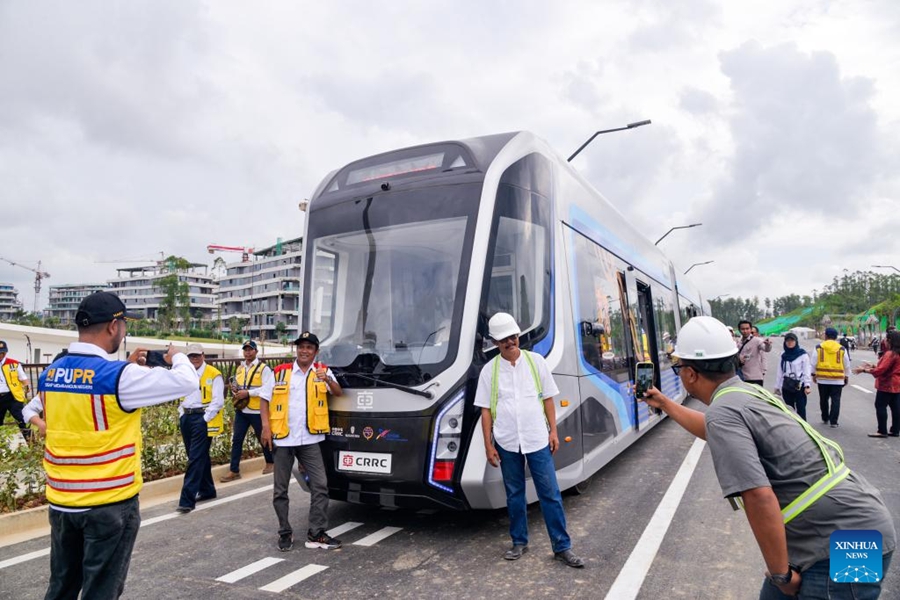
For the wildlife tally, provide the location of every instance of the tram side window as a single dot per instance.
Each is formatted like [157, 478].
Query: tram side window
[599, 300]
[664, 315]
[519, 270]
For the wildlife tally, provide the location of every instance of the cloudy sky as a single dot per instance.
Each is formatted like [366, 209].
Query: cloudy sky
[133, 128]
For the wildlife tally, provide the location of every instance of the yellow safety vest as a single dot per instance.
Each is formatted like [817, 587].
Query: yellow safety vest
[837, 472]
[830, 360]
[251, 378]
[10, 369]
[213, 426]
[92, 454]
[316, 403]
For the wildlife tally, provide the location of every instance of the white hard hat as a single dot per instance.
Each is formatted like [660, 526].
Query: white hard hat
[704, 338]
[502, 325]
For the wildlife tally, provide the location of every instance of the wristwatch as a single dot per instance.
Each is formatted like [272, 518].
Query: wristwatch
[785, 578]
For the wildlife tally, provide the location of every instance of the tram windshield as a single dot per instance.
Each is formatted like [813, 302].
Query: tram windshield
[386, 280]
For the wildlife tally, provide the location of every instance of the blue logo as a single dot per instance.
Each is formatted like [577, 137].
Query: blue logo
[856, 556]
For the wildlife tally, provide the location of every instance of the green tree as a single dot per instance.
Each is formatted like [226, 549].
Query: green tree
[176, 302]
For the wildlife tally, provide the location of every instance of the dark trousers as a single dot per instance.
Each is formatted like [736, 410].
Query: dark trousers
[90, 551]
[883, 400]
[243, 422]
[833, 393]
[9, 403]
[795, 399]
[198, 476]
[310, 458]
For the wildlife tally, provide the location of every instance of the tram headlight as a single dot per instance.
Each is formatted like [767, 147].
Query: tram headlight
[445, 442]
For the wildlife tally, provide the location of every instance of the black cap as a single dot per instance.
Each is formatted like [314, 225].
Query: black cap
[249, 344]
[3, 346]
[102, 307]
[307, 337]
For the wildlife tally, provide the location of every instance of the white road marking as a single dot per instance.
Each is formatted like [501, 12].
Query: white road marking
[371, 540]
[862, 389]
[628, 584]
[32, 555]
[348, 526]
[279, 585]
[249, 569]
[25, 557]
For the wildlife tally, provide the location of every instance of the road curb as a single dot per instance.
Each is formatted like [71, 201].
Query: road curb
[27, 524]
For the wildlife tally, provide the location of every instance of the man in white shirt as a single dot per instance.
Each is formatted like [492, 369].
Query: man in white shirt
[200, 420]
[253, 383]
[297, 421]
[515, 392]
[92, 444]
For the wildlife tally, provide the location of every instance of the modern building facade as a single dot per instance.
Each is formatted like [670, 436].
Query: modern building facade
[9, 302]
[64, 300]
[255, 296]
[140, 290]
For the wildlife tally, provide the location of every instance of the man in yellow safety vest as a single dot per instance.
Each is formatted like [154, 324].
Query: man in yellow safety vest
[13, 389]
[761, 452]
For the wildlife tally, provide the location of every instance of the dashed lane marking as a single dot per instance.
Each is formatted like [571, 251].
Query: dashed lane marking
[32, 555]
[628, 584]
[862, 389]
[249, 569]
[371, 540]
[279, 585]
[25, 557]
[348, 526]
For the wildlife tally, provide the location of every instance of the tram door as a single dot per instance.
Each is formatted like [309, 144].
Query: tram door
[643, 337]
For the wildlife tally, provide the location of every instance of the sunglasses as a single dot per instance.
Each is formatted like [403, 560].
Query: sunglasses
[509, 338]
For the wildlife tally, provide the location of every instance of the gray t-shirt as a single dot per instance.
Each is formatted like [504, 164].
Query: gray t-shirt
[755, 444]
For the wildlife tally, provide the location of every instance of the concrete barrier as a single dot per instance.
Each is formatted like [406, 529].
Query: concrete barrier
[28, 524]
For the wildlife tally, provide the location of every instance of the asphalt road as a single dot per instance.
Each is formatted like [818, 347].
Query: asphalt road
[706, 552]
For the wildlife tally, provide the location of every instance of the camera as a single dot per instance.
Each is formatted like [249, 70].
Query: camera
[156, 358]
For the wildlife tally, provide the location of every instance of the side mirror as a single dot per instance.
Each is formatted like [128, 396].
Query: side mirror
[592, 329]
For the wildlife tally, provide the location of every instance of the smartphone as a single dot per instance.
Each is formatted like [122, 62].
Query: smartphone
[643, 378]
[156, 358]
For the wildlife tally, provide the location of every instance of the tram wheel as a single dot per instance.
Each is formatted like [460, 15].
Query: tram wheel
[584, 486]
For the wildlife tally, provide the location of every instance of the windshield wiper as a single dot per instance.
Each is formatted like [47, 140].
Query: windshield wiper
[396, 386]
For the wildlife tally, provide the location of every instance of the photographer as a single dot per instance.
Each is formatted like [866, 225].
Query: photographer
[793, 483]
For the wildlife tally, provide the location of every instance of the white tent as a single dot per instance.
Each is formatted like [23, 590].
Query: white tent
[803, 333]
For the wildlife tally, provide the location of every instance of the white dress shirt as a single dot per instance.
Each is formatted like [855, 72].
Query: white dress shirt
[520, 425]
[23, 377]
[195, 400]
[263, 392]
[299, 434]
[138, 386]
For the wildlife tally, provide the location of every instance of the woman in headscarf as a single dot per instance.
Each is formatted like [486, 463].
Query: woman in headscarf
[794, 375]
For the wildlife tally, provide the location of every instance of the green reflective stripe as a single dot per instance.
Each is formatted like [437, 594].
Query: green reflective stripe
[495, 384]
[816, 491]
[836, 472]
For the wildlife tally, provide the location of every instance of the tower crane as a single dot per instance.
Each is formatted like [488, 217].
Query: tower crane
[38, 277]
[245, 252]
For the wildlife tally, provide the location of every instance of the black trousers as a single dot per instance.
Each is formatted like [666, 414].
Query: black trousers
[883, 401]
[795, 399]
[198, 475]
[90, 551]
[833, 393]
[9, 403]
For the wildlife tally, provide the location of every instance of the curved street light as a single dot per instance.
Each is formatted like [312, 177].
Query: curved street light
[656, 243]
[698, 265]
[591, 139]
[719, 296]
[887, 267]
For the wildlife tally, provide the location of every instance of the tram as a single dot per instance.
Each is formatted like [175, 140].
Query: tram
[407, 255]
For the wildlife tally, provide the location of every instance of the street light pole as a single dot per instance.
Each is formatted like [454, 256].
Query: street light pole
[656, 243]
[698, 265]
[887, 267]
[719, 296]
[591, 139]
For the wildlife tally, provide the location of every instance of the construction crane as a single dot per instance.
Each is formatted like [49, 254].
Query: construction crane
[38, 277]
[245, 252]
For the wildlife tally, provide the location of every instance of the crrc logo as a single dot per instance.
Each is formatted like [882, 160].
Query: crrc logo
[348, 460]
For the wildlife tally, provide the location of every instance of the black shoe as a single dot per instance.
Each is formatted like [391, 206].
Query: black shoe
[516, 552]
[184, 509]
[322, 540]
[834, 425]
[894, 434]
[570, 558]
[285, 542]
